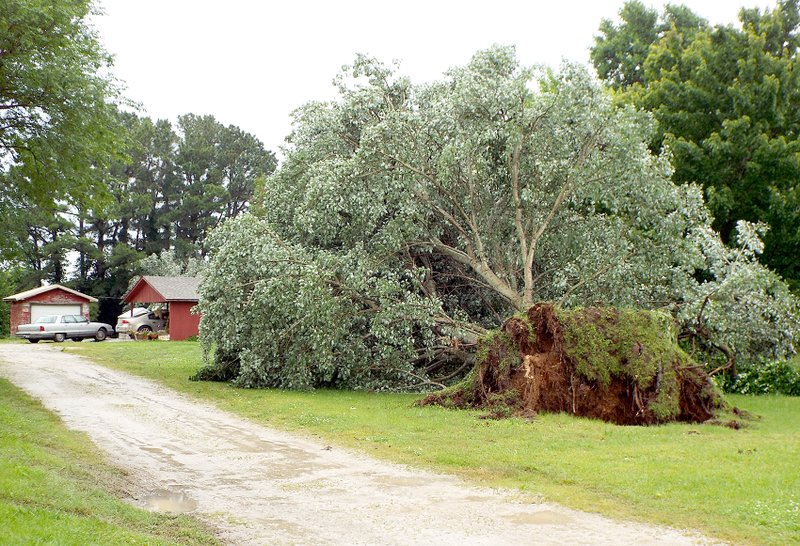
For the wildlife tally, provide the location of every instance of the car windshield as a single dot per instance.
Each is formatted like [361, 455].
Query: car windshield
[50, 319]
[137, 312]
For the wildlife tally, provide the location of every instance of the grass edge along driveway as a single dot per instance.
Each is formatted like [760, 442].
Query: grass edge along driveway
[55, 487]
[741, 486]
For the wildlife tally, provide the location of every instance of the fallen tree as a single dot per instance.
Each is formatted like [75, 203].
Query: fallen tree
[618, 365]
[407, 220]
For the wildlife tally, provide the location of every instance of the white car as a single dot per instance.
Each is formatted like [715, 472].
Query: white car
[139, 319]
[61, 327]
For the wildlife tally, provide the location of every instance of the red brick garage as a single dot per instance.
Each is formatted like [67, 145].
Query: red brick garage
[179, 293]
[55, 299]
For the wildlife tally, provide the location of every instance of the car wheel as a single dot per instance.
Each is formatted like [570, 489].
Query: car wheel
[100, 335]
[145, 329]
[33, 341]
[58, 338]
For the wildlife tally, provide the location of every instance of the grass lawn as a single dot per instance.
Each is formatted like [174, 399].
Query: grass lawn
[742, 486]
[56, 489]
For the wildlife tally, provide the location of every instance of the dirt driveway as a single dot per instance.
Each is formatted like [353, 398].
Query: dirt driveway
[261, 486]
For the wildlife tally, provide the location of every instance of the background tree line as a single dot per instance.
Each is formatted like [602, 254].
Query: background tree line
[88, 188]
[165, 191]
[725, 99]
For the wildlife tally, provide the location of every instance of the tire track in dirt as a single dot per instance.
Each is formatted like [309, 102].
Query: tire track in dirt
[262, 486]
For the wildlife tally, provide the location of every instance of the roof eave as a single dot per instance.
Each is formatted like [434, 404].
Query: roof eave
[136, 287]
[43, 289]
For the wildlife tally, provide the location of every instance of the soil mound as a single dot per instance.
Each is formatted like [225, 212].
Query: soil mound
[619, 365]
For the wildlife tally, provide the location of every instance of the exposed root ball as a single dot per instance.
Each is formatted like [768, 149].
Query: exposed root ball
[622, 366]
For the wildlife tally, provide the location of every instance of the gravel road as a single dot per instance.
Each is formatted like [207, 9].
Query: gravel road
[262, 486]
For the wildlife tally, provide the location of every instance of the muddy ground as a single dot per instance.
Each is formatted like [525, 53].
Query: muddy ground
[262, 486]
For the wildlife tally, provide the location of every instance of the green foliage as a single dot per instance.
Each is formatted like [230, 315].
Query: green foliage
[771, 377]
[218, 167]
[226, 367]
[725, 101]
[743, 309]
[296, 319]
[406, 220]
[619, 52]
[58, 121]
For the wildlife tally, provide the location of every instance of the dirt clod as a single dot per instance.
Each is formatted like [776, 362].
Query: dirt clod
[621, 366]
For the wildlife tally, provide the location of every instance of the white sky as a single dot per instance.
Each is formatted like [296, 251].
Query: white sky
[251, 63]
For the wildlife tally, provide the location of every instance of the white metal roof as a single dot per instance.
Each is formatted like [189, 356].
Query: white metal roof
[42, 289]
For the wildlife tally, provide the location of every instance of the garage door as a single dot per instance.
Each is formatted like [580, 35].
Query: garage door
[43, 309]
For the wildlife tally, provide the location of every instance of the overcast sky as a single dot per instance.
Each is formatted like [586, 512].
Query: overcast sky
[250, 63]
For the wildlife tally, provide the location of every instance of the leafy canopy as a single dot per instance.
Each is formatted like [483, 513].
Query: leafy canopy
[726, 104]
[57, 123]
[407, 219]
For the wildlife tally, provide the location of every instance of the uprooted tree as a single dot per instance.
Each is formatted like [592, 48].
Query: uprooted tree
[408, 220]
[623, 366]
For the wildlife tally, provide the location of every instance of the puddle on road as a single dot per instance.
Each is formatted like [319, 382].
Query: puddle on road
[543, 517]
[171, 502]
[478, 498]
[402, 481]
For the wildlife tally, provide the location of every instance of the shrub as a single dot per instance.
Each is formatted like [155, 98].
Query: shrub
[770, 377]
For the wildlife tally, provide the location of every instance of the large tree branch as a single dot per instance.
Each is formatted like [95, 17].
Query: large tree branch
[465, 332]
[453, 222]
[482, 270]
[566, 189]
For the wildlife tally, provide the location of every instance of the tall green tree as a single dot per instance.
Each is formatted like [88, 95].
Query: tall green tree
[620, 51]
[152, 184]
[218, 166]
[57, 123]
[161, 197]
[726, 104]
